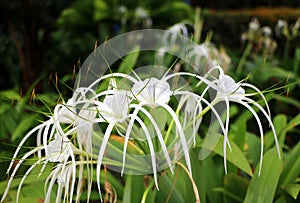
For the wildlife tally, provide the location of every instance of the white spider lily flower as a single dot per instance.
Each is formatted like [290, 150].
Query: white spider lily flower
[230, 91]
[62, 175]
[141, 12]
[192, 108]
[153, 92]
[179, 28]
[227, 90]
[84, 112]
[57, 150]
[113, 109]
[52, 141]
[67, 112]
[207, 55]
[161, 54]
[62, 113]
[171, 40]
[290, 32]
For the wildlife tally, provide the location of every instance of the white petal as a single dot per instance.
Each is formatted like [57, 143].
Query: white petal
[114, 107]
[56, 150]
[101, 154]
[152, 91]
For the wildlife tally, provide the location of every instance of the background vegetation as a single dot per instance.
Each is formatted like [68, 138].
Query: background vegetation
[43, 43]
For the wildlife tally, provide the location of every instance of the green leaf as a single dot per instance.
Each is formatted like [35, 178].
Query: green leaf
[293, 190]
[252, 148]
[291, 168]
[24, 126]
[166, 11]
[268, 72]
[262, 188]
[229, 194]
[165, 187]
[160, 116]
[280, 123]
[293, 123]
[130, 60]
[10, 94]
[287, 100]
[281, 200]
[134, 189]
[240, 133]
[101, 10]
[236, 157]
[127, 189]
[29, 188]
[198, 177]
[31, 179]
[235, 187]
[27, 199]
[213, 178]
[9, 120]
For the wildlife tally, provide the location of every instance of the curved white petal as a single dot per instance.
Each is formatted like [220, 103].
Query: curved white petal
[101, 154]
[114, 108]
[57, 149]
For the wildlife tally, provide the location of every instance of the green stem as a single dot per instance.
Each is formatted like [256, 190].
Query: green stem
[150, 186]
[296, 60]
[203, 112]
[196, 193]
[286, 50]
[242, 61]
[171, 125]
[198, 25]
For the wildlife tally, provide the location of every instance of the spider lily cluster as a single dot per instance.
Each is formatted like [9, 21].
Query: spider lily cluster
[76, 138]
[260, 38]
[204, 55]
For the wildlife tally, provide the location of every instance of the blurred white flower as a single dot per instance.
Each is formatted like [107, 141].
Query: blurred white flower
[198, 56]
[281, 27]
[173, 34]
[122, 9]
[254, 25]
[260, 38]
[266, 31]
[141, 14]
[290, 33]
